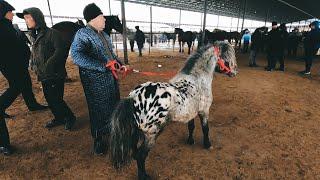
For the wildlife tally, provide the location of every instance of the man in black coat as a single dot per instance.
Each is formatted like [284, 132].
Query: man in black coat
[14, 63]
[50, 53]
[275, 48]
[311, 46]
[140, 39]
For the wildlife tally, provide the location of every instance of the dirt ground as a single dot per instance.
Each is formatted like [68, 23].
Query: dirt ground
[263, 125]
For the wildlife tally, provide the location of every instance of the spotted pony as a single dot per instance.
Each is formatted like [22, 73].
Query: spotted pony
[139, 118]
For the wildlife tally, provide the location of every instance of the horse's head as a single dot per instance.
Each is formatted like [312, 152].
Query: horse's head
[177, 30]
[225, 58]
[113, 22]
[206, 59]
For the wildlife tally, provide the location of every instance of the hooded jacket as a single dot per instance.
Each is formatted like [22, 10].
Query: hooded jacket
[312, 40]
[49, 51]
[14, 51]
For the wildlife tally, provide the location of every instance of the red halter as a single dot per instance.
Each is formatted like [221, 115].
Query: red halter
[221, 62]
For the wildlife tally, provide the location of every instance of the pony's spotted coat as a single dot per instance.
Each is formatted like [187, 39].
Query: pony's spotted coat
[153, 102]
[151, 105]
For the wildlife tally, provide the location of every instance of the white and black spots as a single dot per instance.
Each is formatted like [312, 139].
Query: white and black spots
[150, 106]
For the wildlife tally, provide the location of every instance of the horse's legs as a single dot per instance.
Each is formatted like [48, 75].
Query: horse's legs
[179, 46]
[191, 128]
[205, 130]
[189, 46]
[142, 154]
[183, 46]
[135, 140]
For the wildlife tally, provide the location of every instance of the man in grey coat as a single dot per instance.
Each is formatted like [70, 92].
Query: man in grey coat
[49, 54]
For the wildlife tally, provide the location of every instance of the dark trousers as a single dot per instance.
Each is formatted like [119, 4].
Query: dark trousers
[140, 47]
[274, 58]
[245, 47]
[308, 61]
[131, 45]
[53, 91]
[4, 135]
[292, 51]
[310, 54]
[19, 82]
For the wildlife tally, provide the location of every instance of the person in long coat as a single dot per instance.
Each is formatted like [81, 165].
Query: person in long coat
[91, 50]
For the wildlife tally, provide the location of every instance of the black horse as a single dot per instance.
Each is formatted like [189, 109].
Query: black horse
[170, 36]
[211, 37]
[185, 37]
[263, 35]
[68, 29]
[235, 36]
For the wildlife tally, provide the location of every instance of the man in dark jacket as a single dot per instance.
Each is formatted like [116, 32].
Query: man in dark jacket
[274, 48]
[311, 46]
[283, 44]
[49, 57]
[14, 67]
[256, 40]
[140, 39]
[14, 63]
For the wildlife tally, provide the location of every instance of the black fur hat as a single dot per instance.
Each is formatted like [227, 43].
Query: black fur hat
[91, 11]
[4, 8]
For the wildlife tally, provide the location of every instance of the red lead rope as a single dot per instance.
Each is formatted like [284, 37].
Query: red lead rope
[115, 67]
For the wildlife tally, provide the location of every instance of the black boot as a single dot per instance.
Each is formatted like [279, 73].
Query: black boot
[69, 123]
[6, 150]
[37, 107]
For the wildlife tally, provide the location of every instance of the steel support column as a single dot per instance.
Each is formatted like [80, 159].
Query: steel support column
[125, 50]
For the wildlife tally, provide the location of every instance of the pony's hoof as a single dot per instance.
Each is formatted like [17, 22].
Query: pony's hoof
[207, 145]
[190, 141]
[144, 177]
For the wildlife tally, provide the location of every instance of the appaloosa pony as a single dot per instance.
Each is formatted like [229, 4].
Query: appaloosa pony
[152, 105]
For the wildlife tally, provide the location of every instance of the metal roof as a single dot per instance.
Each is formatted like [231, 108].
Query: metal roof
[283, 11]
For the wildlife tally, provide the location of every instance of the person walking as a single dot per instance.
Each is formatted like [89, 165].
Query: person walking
[140, 39]
[49, 57]
[15, 55]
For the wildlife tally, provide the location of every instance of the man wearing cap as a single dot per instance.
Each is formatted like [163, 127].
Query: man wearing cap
[91, 50]
[311, 46]
[140, 39]
[49, 54]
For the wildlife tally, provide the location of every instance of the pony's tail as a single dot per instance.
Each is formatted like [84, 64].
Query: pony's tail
[122, 130]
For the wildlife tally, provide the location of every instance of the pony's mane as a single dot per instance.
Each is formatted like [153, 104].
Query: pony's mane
[191, 61]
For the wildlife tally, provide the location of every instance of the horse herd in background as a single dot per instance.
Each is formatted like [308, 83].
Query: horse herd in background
[68, 30]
